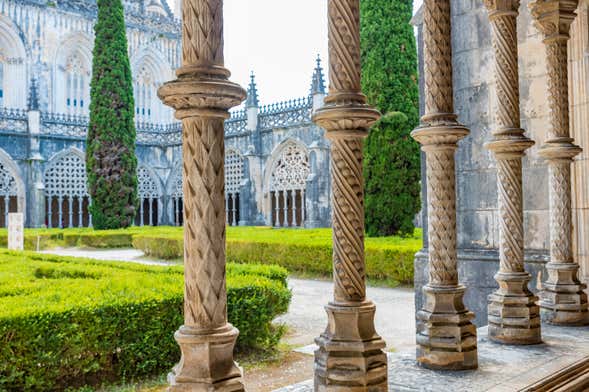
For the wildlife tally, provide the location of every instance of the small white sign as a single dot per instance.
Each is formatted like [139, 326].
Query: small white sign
[16, 231]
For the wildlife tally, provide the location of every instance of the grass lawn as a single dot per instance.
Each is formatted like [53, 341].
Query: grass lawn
[303, 252]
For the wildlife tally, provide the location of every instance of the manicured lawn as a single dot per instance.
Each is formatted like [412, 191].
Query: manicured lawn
[305, 252]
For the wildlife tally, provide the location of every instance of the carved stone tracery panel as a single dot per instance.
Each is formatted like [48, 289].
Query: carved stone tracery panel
[291, 169]
[66, 176]
[233, 171]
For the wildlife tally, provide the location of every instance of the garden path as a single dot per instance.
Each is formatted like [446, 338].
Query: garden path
[306, 318]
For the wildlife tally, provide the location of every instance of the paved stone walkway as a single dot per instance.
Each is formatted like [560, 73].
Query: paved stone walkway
[502, 368]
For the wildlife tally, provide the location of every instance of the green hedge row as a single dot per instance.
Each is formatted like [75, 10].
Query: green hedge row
[70, 322]
[306, 252]
[384, 262]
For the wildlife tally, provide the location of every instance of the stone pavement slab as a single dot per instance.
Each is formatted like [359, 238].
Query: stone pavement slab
[502, 368]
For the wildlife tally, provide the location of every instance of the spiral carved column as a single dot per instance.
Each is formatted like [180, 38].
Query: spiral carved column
[446, 337]
[350, 355]
[562, 299]
[514, 317]
[202, 96]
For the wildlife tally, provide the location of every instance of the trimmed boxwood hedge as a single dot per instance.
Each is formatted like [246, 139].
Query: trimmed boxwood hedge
[69, 322]
[305, 252]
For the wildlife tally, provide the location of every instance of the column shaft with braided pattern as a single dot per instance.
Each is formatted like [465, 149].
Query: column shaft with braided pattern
[562, 299]
[350, 352]
[202, 96]
[446, 337]
[514, 317]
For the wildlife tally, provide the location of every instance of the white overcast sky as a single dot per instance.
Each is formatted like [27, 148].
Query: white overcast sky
[277, 39]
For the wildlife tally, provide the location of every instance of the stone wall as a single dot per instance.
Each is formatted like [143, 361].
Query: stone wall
[475, 100]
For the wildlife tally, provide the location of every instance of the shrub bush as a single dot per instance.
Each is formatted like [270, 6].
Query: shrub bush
[69, 322]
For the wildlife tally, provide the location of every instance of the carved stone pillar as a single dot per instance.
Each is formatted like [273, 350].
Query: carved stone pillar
[350, 355]
[562, 300]
[202, 96]
[446, 337]
[514, 316]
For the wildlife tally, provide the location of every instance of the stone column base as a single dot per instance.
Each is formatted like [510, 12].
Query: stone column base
[562, 299]
[207, 361]
[446, 337]
[514, 316]
[350, 355]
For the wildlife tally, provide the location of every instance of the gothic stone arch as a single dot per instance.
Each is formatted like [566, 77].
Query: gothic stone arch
[13, 66]
[175, 193]
[72, 71]
[66, 190]
[233, 179]
[150, 197]
[150, 70]
[12, 189]
[285, 182]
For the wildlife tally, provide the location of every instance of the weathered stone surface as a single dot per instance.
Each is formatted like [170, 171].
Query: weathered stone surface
[502, 368]
[350, 355]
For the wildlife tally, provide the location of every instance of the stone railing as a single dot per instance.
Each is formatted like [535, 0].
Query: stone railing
[236, 124]
[287, 113]
[14, 120]
[60, 125]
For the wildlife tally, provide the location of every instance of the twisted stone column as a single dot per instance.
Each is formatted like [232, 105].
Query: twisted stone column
[446, 337]
[202, 96]
[514, 316]
[562, 300]
[350, 355]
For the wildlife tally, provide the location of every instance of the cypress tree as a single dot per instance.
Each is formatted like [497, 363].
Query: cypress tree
[389, 80]
[110, 147]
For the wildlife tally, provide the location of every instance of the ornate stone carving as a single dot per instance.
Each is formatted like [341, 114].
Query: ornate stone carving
[562, 300]
[514, 316]
[350, 355]
[446, 337]
[202, 96]
[291, 170]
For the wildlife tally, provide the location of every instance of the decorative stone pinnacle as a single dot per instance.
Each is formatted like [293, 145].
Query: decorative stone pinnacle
[252, 93]
[33, 95]
[318, 82]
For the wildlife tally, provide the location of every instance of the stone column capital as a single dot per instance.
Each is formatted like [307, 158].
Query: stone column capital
[498, 8]
[201, 93]
[439, 137]
[554, 17]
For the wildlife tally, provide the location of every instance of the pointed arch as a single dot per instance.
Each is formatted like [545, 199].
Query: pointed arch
[12, 188]
[150, 70]
[285, 183]
[233, 179]
[176, 194]
[66, 190]
[13, 66]
[72, 73]
[150, 197]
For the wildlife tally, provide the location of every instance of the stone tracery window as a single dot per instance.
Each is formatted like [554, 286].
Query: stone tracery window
[145, 94]
[287, 186]
[8, 193]
[233, 179]
[66, 191]
[77, 85]
[177, 195]
[149, 198]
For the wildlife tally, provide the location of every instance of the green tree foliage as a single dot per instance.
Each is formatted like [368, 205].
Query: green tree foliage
[110, 158]
[389, 80]
[392, 171]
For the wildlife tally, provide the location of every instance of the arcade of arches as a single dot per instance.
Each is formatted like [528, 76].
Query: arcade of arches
[350, 353]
